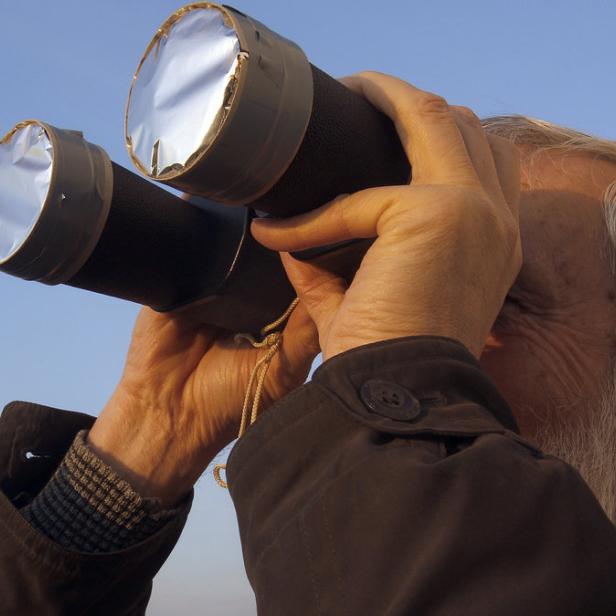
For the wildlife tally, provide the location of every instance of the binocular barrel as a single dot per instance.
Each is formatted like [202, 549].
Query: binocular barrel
[222, 107]
[227, 111]
[68, 215]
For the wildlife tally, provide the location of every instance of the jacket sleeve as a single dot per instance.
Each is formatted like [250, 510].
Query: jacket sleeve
[39, 576]
[396, 483]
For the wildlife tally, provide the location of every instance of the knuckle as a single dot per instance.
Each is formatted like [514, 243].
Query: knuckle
[370, 74]
[374, 77]
[468, 115]
[346, 213]
[431, 104]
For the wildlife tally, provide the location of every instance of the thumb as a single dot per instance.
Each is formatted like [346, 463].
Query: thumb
[319, 290]
[300, 343]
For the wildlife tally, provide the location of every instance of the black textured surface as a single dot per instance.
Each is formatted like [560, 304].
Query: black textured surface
[156, 249]
[161, 251]
[348, 146]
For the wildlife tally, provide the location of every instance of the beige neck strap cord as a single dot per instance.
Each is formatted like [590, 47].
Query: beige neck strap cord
[271, 339]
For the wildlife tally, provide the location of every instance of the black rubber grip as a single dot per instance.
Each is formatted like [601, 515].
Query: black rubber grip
[161, 251]
[348, 146]
[154, 249]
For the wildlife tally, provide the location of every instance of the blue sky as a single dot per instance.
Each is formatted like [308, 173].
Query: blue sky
[70, 63]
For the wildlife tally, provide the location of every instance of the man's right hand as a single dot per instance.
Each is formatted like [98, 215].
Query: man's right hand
[448, 245]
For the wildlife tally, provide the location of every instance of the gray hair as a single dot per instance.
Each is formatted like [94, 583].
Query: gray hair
[546, 135]
[543, 135]
[589, 446]
[609, 212]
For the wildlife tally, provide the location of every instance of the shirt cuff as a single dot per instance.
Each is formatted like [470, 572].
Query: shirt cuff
[87, 507]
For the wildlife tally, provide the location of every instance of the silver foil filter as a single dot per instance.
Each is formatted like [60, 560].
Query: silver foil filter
[55, 195]
[26, 164]
[219, 104]
[184, 82]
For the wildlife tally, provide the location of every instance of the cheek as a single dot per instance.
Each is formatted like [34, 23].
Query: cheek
[545, 371]
[528, 385]
[522, 379]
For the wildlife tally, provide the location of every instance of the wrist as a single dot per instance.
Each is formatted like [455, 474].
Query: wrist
[158, 450]
[436, 327]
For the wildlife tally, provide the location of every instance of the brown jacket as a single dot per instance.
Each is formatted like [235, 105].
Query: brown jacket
[394, 483]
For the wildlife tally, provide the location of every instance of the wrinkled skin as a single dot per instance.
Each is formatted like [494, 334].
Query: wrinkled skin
[550, 349]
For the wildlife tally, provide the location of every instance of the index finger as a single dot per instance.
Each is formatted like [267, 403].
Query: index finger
[425, 124]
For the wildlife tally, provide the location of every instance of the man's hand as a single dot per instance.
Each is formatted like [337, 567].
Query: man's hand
[180, 398]
[447, 246]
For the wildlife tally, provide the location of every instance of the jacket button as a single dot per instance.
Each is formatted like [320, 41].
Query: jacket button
[389, 399]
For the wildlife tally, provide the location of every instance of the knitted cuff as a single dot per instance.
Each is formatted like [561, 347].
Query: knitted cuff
[87, 507]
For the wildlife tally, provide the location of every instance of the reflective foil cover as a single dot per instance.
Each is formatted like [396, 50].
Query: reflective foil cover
[26, 165]
[177, 100]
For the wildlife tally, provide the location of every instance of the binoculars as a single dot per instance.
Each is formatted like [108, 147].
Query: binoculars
[235, 117]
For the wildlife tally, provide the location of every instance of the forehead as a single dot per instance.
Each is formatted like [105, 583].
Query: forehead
[561, 212]
[578, 172]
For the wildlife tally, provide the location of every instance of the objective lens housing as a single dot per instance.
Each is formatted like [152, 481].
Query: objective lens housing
[239, 115]
[68, 215]
[55, 195]
[219, 100]
[26, 163]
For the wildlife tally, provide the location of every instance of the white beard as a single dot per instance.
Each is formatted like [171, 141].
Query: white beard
[589, 445]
